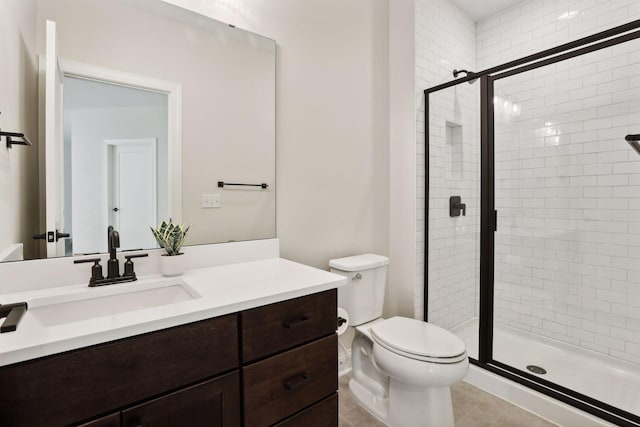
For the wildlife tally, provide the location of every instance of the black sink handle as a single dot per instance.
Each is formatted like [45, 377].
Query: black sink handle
[13, 314]
[136, 256]
[128, 265]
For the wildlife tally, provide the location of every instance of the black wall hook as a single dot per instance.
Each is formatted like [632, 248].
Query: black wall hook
[23, 140]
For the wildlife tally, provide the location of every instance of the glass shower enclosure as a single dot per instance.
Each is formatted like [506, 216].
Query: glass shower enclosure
[532, 233]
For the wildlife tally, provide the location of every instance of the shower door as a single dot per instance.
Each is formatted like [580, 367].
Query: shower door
[541, 278]
[566, 303]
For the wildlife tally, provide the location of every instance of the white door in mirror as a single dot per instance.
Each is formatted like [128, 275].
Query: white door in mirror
[133, 190]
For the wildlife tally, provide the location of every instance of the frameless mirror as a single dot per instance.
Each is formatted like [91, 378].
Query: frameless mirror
[144, 108]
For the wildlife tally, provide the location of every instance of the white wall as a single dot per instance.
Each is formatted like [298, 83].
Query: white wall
[18, 165]
[332, 147]
[402, 159]
[567, 184]
[445, 40]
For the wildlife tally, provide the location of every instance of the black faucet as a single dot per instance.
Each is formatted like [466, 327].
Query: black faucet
[113, 267]
[113, 242]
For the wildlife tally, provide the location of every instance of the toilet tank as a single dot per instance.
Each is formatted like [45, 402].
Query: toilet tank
[363, 295]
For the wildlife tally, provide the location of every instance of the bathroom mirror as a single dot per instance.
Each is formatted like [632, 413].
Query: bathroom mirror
[142, 109]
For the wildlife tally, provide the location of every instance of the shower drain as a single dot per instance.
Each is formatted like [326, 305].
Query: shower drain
[536, 369]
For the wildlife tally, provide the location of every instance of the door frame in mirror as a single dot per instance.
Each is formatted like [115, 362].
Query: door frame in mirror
[173, 90]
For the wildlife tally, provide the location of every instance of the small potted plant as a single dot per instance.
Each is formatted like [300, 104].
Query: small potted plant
[171, 237]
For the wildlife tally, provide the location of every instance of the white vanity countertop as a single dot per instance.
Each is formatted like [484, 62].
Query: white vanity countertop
[222, 290]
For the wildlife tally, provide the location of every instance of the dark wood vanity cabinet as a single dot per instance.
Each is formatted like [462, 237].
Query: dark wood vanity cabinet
[273, 365]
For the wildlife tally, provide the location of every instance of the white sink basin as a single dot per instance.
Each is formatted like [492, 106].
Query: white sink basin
[109, 300]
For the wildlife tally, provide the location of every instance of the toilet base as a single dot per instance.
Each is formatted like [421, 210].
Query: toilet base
[407, 406]
[375, 405]
[411, 406]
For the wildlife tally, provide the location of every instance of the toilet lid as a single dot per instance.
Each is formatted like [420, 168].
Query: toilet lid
[418, 338]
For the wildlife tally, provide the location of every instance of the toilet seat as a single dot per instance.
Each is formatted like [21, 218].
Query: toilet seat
[419, 340]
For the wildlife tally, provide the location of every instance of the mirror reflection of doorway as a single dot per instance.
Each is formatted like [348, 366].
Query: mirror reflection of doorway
[116, 157]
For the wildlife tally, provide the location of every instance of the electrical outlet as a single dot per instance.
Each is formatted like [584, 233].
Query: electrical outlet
[211, 201]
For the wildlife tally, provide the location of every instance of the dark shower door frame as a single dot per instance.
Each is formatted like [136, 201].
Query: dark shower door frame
[488, 214]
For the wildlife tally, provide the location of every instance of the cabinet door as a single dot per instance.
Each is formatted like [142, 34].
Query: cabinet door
[214, 403]
[99, 379]
[112, 420]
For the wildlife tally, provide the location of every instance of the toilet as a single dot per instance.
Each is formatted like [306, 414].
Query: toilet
[402, 369]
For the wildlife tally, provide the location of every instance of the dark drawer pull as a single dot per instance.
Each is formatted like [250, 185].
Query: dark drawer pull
[297, 381]
[292, 324]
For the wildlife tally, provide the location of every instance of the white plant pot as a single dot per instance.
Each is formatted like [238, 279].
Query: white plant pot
[173, 265]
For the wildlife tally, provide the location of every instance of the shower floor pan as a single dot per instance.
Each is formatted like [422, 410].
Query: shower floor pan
[605, 378]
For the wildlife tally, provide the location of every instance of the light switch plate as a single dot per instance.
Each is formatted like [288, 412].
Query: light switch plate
[211, 201]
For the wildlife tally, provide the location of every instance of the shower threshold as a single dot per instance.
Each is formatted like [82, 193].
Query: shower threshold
[602, 377]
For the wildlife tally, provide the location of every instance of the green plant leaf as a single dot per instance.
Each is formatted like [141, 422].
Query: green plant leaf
[170, 236]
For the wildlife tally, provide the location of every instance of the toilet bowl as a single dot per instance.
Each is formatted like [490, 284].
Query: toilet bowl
[402, 368]
[406, 385]
[422, 361]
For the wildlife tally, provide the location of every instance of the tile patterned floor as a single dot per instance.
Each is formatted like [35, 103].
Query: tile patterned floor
[472, 407]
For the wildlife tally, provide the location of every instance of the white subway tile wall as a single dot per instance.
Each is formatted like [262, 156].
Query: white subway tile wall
[535, 25]
[567, 184]
[568, 240]
[445, 40]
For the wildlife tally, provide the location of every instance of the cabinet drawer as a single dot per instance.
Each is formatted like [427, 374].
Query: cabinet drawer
[276, 327]
[77, 385]
[322, 414]
[280, 386]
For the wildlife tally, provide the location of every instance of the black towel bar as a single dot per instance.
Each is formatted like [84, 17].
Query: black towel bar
[221, 184]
